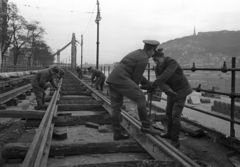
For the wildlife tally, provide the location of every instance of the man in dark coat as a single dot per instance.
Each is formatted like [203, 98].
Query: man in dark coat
[39, 85]
[97, 77]
[171, 80]
[124, 80]
[79, 72]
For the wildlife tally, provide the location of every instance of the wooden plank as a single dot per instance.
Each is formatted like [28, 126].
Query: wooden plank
[136, 163]
[76, 97]
[75, 93]
[192, 130]
[73, 120]
[21, 113]
[19, 150]
[90, 102]
[78, 107]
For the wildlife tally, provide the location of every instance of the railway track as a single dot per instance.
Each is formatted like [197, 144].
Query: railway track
[75, 131]
[14, 88]
[14, 81]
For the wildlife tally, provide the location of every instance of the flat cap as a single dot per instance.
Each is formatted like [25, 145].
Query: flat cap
[151, 42]
[89, 68]
[55, 69]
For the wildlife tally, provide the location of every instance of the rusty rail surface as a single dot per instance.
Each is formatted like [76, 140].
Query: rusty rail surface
[154, 145]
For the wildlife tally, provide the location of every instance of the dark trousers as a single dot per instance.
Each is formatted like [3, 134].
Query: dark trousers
[40, 94]
[134, 93]
[100, 82]
[174, 111]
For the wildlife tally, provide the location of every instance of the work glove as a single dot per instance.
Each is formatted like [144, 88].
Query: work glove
[155, 83]
[148, 87]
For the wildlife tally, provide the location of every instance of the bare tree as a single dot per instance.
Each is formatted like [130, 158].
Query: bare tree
[35, 34]
[7, 31]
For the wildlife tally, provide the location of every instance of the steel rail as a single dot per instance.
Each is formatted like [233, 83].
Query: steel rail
[6, 83]
[34, 155]
[154, 145]
[14, 93]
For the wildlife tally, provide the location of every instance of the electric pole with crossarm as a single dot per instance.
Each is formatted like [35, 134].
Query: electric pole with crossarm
[98, 18]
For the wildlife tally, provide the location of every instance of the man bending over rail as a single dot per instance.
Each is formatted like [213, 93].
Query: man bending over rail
[39, 85]
[97, 77]
[171, 80]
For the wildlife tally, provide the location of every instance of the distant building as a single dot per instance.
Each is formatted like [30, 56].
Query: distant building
[194, 31]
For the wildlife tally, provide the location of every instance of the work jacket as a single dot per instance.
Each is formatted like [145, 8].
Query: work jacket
[96, 73]
[130, 69]
[171, 73]
[42, 77]
[79, 70]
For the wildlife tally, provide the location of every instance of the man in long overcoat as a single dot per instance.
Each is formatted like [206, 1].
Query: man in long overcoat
[171, 80]
[39, 85]
[124, 80]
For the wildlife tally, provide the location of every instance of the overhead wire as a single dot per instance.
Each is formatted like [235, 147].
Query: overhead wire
[89, 20]
[41, 15]
[26, 5]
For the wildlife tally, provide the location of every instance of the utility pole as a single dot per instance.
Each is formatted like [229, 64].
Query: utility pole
[73, 52]
[81, 50]
[58, 57]
[98, 18]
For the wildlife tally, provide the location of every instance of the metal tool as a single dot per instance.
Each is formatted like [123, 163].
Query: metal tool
[150, 90]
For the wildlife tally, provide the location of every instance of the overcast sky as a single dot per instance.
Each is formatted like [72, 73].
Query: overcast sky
[125, 23]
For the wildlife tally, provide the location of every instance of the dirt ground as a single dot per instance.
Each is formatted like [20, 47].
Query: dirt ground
[203, 150]
[10, 131]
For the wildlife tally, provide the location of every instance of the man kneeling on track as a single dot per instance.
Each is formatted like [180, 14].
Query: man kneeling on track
[100, 78]
[39, 84]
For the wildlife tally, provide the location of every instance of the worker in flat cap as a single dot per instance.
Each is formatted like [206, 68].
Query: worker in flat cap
[39, 85]
[171, 80]
[124, 80]
[98, 78]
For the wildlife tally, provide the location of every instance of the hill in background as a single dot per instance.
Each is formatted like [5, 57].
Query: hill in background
[206, 49]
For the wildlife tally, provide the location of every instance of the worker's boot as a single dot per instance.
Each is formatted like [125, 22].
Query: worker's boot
[147, 128]
[44, 105]
[39, 106]
[118, 135]
[168, 134]
[176, 128]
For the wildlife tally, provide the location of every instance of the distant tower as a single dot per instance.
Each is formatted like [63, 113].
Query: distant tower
[194, 31]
